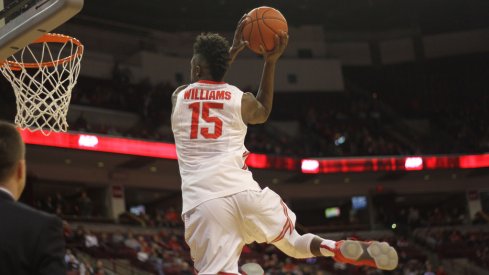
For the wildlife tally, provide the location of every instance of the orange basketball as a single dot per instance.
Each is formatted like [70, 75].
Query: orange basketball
[261, 26]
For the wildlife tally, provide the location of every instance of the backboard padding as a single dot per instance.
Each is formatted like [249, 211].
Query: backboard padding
[34, 22]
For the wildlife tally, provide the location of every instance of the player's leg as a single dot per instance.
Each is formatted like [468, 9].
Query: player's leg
[372, 253]
[213, 235]
[375, 254]
[267, 218]
[270, 220]
[304, 246]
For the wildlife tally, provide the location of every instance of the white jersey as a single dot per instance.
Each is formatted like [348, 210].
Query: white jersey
[209, 136]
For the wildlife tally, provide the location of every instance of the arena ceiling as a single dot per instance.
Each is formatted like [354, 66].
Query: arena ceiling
[429, 16]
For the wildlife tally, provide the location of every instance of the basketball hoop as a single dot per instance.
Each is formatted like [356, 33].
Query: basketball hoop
[43, 75]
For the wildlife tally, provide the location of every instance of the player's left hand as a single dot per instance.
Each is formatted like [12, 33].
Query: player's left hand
[281, 41]
[238, 43]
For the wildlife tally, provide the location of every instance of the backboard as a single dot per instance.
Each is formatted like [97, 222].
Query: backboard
[23, 21]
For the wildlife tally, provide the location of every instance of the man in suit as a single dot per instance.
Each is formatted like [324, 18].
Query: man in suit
[31, 242]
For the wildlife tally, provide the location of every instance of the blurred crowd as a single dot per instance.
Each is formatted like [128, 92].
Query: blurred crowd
[77, 265]
[471, 243]
[168, 217]
[446, 101]
[165, 252]
[343, 125]
[161, 252]
[153, 241]
[414, 216]
[411, 261]
[350, 126]
[150, 102]
[449, 94]
[449, 97]
[79, 204]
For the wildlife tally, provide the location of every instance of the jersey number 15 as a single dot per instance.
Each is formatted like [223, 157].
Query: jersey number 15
[197, 112]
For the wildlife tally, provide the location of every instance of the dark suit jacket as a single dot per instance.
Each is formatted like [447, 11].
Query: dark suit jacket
[31, 242]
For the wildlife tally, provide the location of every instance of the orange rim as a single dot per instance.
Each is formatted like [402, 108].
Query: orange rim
[48, 38]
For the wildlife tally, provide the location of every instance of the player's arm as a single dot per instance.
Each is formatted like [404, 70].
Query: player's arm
[255, 110]
[175, 95]
[238, 43]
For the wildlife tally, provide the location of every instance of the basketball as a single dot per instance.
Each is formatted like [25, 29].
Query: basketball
[261, 26]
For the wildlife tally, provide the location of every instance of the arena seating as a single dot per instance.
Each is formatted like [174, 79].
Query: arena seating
[154, 242]
[470, 242]
[163, 248]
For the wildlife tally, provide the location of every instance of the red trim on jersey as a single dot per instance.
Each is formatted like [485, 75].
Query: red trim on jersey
[210, 82]
[286, 211]
[284, 231]
[288, 226]
[245, 155]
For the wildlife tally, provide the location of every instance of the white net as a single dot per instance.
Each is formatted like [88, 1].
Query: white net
[43, 75]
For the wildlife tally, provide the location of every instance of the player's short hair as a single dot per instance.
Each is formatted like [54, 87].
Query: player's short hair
[215, 50]
[12, 150]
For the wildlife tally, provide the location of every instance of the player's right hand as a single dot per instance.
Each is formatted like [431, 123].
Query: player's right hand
[238, 42]
[281, 41]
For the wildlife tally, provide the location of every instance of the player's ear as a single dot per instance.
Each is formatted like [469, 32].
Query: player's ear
[197, 70]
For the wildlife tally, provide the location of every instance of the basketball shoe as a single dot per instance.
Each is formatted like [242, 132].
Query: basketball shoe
[375, 254]
[252, 269]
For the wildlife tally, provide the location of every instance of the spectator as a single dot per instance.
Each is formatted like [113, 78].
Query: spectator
[174, 244]
[99, 268]
[84, 205]
[79, 236]
[156, 259]
[481, 218]
[90, 240]
[172, 216]
[49, 205]
[131, 242]
[86, 268]
[440, 271]
[118, 238]
[71, 261]
[59, 204]
[413, 216]
[144, 249]
[429, 269]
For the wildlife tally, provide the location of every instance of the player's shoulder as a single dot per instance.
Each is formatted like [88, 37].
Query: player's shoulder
[179, 89]
[175, 94]
[235, 88]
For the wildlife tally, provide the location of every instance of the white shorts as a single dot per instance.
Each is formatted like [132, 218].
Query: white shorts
[217, 230]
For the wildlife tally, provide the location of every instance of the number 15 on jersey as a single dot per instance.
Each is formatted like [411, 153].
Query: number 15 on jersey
[201, 109]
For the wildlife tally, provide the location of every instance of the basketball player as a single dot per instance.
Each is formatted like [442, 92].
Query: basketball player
[224, 208]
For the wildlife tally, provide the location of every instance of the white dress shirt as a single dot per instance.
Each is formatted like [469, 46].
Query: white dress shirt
[7, 191]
